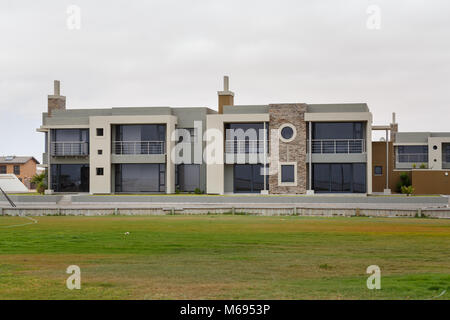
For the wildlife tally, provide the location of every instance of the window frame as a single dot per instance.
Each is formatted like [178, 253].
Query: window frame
[290, 183]
[375, 171]
[294, 134]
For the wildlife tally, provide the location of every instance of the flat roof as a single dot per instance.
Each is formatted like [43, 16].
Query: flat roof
[418, 137]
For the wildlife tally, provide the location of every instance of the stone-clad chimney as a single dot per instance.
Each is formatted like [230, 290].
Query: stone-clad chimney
[394, 127]
[56, 101]
[226, 97]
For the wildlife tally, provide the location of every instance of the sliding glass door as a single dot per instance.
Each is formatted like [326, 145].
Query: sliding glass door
[248, 178]
[339, 177]
[140, 177]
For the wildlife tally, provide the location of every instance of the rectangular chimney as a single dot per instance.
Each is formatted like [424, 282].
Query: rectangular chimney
[226, 97]
[56, 101]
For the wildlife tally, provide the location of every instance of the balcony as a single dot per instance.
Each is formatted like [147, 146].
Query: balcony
[138, 147]
[334, 146]
[412, 158]
[69, 148]
[245, 146]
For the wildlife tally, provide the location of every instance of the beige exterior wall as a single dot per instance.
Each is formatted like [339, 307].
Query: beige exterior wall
[215, 181]
[102, 184]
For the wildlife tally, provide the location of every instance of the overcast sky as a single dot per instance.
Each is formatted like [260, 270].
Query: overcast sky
[174, 53]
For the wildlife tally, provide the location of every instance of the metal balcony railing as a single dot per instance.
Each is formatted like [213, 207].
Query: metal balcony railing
[412, 157]
[337, 146]
[69, 148]
[245, 146]
[138, 147]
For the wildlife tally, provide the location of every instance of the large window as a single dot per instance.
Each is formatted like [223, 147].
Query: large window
[140, 177]
[2, 169]
[338, 137]
[245, 138]
[70, 177]
[416, 154]
[446, 155]
[188, 177]
[139, 139]
[70, 135]
[339, 177]
[248, 178]
[337, 130]
[69, 142]
[16, 169]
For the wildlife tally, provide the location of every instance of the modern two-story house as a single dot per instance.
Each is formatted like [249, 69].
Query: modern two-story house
[289, 148]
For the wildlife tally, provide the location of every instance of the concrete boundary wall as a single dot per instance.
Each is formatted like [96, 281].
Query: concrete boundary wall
[33, 199]
[269, 211]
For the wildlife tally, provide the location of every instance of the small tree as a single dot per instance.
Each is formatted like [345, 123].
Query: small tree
[423, 166]
[40, 181]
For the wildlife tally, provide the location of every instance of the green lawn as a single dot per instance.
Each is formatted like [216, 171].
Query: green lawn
[224, 257]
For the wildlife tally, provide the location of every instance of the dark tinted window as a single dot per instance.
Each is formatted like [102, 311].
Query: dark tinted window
[99, 132]
[287, 133]
[2, 169]
[70, 135]
[248, 178]
[339, 177]
[446, 152]
[188, 177]
[359, 177]
[287, 173]
[412, 149]
[337, 130]
[256, 130]
[412, 154]
[70, 177]
[16, 169]
[140, 177]
[141, 132]
[378, 170]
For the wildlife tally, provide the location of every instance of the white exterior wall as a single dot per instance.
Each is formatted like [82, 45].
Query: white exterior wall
[436, 154]
[102, 184]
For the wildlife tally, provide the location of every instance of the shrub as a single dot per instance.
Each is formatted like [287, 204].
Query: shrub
[408, 190]
[404, 181]
[414, 166]
[198, 191]
[423, 166]
[40, 181]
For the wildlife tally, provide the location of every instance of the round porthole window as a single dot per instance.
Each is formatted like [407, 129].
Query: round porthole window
[434, 147]
[287, 132]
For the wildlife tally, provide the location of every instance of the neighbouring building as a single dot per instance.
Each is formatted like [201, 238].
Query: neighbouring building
[289, 148]
[24, 168]
[423, 156]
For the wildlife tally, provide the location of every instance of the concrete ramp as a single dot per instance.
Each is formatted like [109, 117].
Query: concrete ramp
[11, 184]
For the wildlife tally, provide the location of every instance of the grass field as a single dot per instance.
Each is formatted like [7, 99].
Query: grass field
[224, 257]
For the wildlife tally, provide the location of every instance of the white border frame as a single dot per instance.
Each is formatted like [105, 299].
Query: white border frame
[293, 129]
[287, 184]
